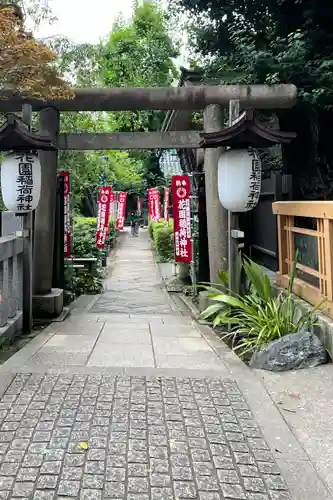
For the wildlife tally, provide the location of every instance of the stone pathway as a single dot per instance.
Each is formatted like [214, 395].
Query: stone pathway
[131, 400]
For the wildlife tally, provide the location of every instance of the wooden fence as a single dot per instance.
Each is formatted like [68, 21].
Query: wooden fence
[307, 227]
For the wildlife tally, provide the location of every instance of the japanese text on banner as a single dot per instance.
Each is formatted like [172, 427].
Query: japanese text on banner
[104, 194]
[166, 204]
[112, 205]
[152, 196]
[139, 204]
[121, 210]
[181, 201]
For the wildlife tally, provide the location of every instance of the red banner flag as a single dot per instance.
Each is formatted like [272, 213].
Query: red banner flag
[166, 204]
[151, 205]
[157, 205]
[112, 205]
[154, 204]
[103, 215]
[139, 206]
[181, 201]
[67, 218]
[121, 210]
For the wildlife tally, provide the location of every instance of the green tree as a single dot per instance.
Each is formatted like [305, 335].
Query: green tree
[277, 41]
[140, 54]
[136, 54]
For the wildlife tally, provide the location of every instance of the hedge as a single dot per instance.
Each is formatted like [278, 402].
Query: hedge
[162, 236]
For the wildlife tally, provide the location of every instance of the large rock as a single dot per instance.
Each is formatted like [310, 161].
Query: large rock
[291, 352]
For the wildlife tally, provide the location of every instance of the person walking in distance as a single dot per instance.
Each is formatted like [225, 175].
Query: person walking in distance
[134, 224]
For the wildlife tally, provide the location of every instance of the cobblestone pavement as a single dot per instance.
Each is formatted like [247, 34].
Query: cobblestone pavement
[147, 438]
[132, 400]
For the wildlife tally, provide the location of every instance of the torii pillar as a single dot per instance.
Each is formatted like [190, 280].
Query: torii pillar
[217, 216]
[47, 301]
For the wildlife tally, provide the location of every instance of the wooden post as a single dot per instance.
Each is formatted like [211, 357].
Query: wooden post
[282, 244]
[326, 258]
[290, 242]
[27, 248]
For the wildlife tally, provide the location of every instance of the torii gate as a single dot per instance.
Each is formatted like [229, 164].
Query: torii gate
[126, 99]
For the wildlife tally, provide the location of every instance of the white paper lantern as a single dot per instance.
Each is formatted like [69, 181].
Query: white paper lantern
[239, 179]
[21, 182]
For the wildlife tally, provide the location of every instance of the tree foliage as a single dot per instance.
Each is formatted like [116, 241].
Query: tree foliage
[276, 41]
[139, 54]
[27, 67]
[135, 54]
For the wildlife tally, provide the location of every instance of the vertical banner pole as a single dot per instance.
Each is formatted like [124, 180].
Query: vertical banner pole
[27, 248]
[193, 257]
[232, 219]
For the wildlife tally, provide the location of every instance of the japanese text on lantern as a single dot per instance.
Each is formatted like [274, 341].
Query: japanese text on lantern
[103, 215]
[255, 182]
[24, 182]
[67, 221]
[181, 201]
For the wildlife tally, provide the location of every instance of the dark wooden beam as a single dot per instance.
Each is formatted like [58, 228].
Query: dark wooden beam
[193, 97]
[129, 140]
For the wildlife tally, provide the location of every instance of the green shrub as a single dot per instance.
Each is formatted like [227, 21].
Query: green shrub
[84, 237]
[151, 228]
[162, 236]
[84, 246]
[259, 317]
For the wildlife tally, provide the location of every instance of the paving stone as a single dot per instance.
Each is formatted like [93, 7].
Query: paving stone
[275, 483]
[207, 483]
[89, 494]
[6, 483]
[51, 467]
[47, 482]
[160, 480]
[233, 491]
[137, 470]
[94, 467]
[137, 485]
[161, 493]
[254, 484]
[185, 489]
[27, 474]
[228, 476]
[114, 490]
[69, 488]
[93, 482]
[117, 474]
[72, 473]
[24, 489]
[9, 469]
[204, 495]
[43, 495]
[280, 495]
